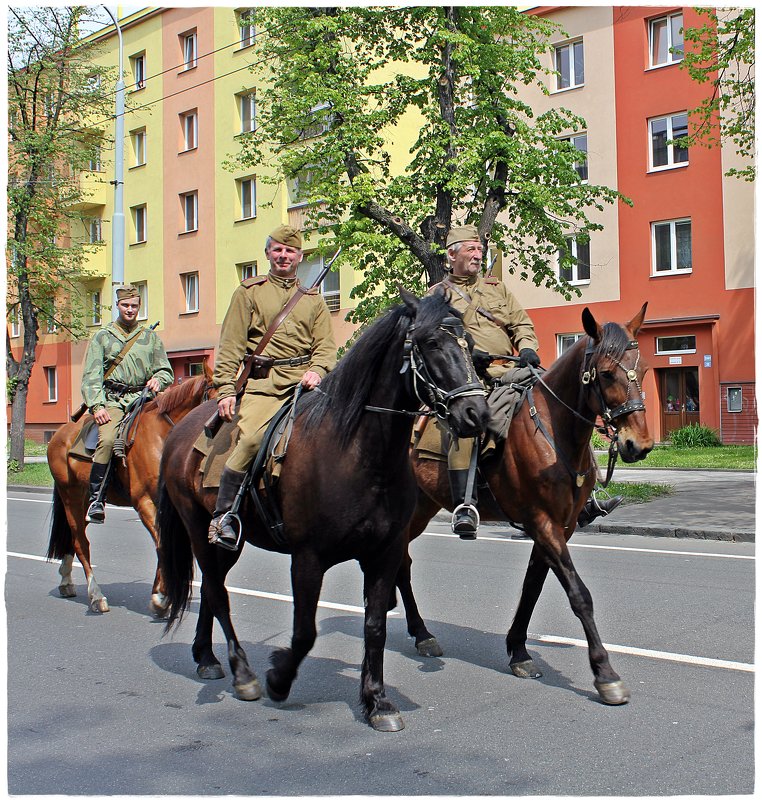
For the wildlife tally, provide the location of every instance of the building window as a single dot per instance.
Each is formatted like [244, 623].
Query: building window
[190, 289]
[190, 52]
[94, 162]
[579, 271]
[323, 121]
[51, 380]
[94, 230]
[139, 70]
[679, 344]
[309, 270]
[247, 107]
[671, 243]
[665, 39]
[196, 368]
[189, 202]
[189, 124]
[142, 287]
[16, 322]
[247, 195]
[579, 142]
[246, 26]
[565, 341]
[138, 147]
[246, 270]
[662, 132]
[570, 65]
[140, 220]
[51, 326]
[734, 399]
[94, 308]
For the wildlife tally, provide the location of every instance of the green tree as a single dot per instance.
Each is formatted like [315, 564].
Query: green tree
[721, 54]
[53, 86]
[341, 83]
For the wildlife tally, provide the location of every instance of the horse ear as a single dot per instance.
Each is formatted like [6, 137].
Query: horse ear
[408, 298]
[590, 325]
[637, 320]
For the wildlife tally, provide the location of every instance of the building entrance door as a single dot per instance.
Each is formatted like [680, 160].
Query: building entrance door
[679, 397]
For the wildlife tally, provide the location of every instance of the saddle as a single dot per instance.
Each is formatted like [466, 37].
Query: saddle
[84, 445]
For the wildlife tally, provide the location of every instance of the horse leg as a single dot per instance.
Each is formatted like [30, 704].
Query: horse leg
[306, 581]
[208, 666]
[521, 662]
[66, 588]
[76, 517]
[146, 509]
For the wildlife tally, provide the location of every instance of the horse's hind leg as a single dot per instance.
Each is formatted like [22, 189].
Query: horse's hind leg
[306, 581]
[521, 662]
[146, 509]
[208, 666]
[97, 600]
[67, 588]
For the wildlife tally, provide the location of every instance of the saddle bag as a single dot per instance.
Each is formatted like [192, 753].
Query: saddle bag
[261, 366]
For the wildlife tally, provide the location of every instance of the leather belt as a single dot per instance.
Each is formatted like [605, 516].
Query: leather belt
[295, 361]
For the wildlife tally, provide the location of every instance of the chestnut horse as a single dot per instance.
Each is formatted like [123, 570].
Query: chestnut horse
[346, 492]
[135, 485]
[541, 477]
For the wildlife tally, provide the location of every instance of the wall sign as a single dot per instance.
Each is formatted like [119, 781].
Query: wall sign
[707, 360]
[675, 359]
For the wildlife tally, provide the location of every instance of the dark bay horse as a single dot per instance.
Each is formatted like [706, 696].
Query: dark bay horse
[135, 485]
[346, 492]
[542, 476]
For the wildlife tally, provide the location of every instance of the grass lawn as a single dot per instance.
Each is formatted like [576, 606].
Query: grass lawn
[34, 475]
[639, 492]
[726, 457]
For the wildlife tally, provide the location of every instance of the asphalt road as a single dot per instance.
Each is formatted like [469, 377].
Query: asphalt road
[104, 704]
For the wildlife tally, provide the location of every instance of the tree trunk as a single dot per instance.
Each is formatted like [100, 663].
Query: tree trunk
[18, 424]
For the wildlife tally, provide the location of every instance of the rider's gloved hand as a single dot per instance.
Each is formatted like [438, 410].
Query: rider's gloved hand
[528, 357]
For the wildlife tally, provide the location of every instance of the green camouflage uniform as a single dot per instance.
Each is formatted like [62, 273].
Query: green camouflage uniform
[145, 359]
[306, 331]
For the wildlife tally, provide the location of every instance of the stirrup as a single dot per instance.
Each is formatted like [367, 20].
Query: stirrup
[217, 536]
[96, 512]
[473, 511]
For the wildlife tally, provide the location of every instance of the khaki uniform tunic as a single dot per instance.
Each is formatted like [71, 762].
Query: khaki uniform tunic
[306, 331]
[512, 332]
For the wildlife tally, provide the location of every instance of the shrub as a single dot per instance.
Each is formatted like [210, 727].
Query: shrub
[599, 442]
[694, 435]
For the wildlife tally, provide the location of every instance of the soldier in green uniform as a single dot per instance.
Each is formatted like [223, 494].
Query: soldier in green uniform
[499, 326]
[302, 346]
[143, 363]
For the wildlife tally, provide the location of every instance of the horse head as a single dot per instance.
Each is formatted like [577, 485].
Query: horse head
[614, 368]
[438, 353]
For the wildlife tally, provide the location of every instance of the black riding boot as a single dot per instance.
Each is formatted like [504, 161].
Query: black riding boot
[221, 531]
[96, 511]
[465, 518]
[595, 508]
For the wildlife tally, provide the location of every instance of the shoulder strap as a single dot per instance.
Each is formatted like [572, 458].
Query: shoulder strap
[279, 318]
[122, 353]
[478, 309]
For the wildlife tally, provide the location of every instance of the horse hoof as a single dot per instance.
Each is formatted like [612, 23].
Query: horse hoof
[250, 691]
[525, 670]
[387, 722]
[67, 591]
[210, 672]
[429, 647]
[612, 692]
[272, 693]
[159, 606]
[99, 605]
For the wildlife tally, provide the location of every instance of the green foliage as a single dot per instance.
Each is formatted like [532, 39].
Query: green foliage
[599, 442]
[33, 475]
[721, 53]
[727, 457]
[343, 85]
[639, 492]
[694, 435]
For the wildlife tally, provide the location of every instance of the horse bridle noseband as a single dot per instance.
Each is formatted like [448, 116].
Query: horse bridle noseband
[590, 376]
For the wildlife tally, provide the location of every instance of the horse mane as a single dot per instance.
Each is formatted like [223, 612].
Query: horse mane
[189, 392]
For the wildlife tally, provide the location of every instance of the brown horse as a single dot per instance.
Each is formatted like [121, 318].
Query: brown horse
[135, 484]
[346, 492]
[541, 477]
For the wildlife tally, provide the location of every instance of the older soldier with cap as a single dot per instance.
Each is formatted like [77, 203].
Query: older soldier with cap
[499, 326]
[139, 361]
[303, 350]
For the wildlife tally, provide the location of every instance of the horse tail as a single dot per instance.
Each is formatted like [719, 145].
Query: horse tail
[61, 539]
[175, 557]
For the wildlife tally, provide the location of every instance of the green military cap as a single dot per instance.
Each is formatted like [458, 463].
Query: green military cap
[287, 235]
[127, 291]
[463, 233]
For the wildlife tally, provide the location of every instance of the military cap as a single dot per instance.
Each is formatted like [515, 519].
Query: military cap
[287, 235]
[463, 233]
[126, 291]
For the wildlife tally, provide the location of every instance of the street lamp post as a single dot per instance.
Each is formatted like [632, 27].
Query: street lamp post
[117, 226]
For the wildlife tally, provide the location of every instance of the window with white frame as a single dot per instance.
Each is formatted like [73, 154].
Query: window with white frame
[247, 108]
[309, 270]
[579, 141]
[94, 228]
[142, 287]
[578, 272]
[139, 142]
[189, 201]
[247, 196]
[734, 397]
[247, 269]
[16, 321]
[190, 290]
[190, 51]
[138, 63]
[565, 341]
[665, 40]
[662, 133]
[685, 343]
[246, 26]
[94, 308]
[51, 379]
[671, 246]
[94, 162]
[140, 222]
[570, 65]
[322, 121]
[51, 326]
[189, 125]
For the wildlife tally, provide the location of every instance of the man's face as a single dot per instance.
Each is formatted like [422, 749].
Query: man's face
[128, 310]
[283, 259]
[468, 258]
